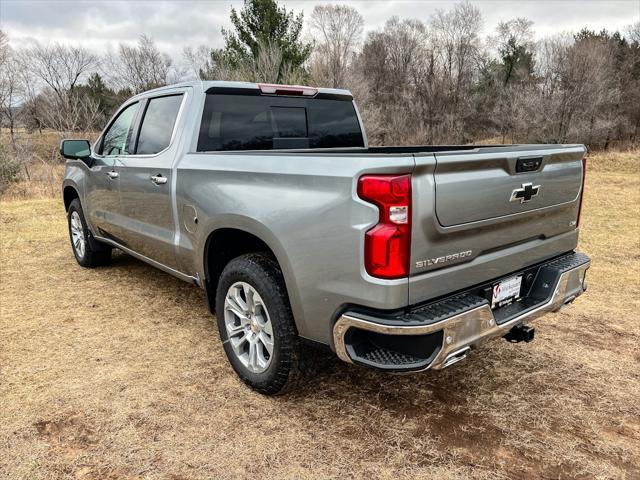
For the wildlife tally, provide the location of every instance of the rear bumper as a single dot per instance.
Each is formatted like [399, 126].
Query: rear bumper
[441, 333]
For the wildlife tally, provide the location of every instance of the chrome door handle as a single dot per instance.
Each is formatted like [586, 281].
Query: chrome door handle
[159, 179]
[112, 174]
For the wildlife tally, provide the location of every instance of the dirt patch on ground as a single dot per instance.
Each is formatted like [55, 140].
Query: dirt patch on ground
[95, 384]
[71, 430]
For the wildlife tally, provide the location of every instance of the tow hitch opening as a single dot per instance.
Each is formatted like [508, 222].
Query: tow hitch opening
[520, 333]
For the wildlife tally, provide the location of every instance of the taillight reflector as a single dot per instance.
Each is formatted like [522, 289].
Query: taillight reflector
[387, 244]
[272, 89]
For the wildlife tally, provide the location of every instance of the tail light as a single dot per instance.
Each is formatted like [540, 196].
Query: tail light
[387, 244]
[584, 174]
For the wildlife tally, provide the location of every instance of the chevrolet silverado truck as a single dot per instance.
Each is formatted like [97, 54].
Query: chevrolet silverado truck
[269, 198]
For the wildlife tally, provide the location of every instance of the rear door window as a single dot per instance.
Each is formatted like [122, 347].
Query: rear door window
[157, 124]
[255, 122]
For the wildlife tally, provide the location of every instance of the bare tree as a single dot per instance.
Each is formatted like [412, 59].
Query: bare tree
[392, 64]
[510, 69]
[60, 67]
[76, 114]
[520, 29]
[139, 67]
[10, 162]
[197, 60]
[4, 48]
[13, 85]
[267, 66]
[10, 93]
[49, 75]
[30, 87]
[577, 95]
[456, 37]
[394, 58]
[633, 31]
[630, 85]
[337, 29]
[7, 81]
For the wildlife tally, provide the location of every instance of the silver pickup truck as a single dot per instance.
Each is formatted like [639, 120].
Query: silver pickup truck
[269, 198]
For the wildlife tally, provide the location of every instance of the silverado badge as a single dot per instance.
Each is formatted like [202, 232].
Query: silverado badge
[429, 262]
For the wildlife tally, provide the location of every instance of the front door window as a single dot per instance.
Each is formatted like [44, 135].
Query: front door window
[118, 136]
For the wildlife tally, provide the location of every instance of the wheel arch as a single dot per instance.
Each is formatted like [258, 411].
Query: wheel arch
[235, 237]
[226, 243]
[69, 194]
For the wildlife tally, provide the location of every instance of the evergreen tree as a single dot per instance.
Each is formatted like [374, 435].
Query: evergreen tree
[517, 62]
[260, 23]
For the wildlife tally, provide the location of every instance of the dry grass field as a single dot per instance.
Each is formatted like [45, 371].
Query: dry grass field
[117, 373]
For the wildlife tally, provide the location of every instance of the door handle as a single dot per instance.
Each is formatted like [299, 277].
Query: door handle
[159, 179]
[112, 174]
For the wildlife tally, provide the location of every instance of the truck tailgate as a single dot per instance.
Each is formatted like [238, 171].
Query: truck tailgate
[476, 217]
[477, 186]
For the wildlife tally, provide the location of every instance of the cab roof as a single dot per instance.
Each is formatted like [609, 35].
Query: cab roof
[213, 85]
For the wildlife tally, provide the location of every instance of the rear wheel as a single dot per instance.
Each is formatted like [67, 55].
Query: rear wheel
[256, 324]
[88, 251]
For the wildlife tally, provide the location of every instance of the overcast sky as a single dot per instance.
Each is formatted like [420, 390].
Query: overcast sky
[99, 25]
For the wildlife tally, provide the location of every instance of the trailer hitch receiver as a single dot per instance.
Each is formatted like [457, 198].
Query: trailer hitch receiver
[520, 333]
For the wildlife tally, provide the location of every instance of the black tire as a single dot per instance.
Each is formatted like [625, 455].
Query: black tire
[94, 253]
[263, 273]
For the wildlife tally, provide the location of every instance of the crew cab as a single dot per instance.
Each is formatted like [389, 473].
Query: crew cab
[270, 199]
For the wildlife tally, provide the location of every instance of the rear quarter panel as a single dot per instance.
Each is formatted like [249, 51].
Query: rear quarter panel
[304, 206]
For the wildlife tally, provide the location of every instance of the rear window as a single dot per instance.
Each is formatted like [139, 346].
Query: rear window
[157, 124]
[254, 122]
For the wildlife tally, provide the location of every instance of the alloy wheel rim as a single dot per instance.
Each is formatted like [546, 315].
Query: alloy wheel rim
[77, 234]
[249, 328]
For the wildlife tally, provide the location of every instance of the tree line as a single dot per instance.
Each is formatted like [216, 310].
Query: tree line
[415, 82]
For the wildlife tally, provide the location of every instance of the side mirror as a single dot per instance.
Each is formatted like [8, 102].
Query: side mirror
[75, 149]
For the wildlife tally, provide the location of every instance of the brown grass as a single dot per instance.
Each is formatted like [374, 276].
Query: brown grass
[118, 373]
[43, 167]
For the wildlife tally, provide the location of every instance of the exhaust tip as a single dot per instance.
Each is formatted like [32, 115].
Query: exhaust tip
[455, 357]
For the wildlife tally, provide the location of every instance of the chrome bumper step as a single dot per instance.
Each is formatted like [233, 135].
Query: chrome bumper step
[441, 333]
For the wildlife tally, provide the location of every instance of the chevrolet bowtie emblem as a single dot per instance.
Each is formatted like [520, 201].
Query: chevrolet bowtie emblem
[524, 193]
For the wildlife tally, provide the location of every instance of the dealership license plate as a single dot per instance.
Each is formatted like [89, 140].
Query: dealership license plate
[506, 291]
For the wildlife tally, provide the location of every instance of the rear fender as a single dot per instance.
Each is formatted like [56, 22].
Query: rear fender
[259, 230]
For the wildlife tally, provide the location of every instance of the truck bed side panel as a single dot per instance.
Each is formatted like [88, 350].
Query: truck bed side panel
[305, 208]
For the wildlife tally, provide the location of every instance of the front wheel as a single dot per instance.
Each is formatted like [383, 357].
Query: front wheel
[256, 324]
[88, 251]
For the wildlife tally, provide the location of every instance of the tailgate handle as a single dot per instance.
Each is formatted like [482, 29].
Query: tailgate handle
[528, 164]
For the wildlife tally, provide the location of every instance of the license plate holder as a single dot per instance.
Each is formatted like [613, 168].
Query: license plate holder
[506, 291]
